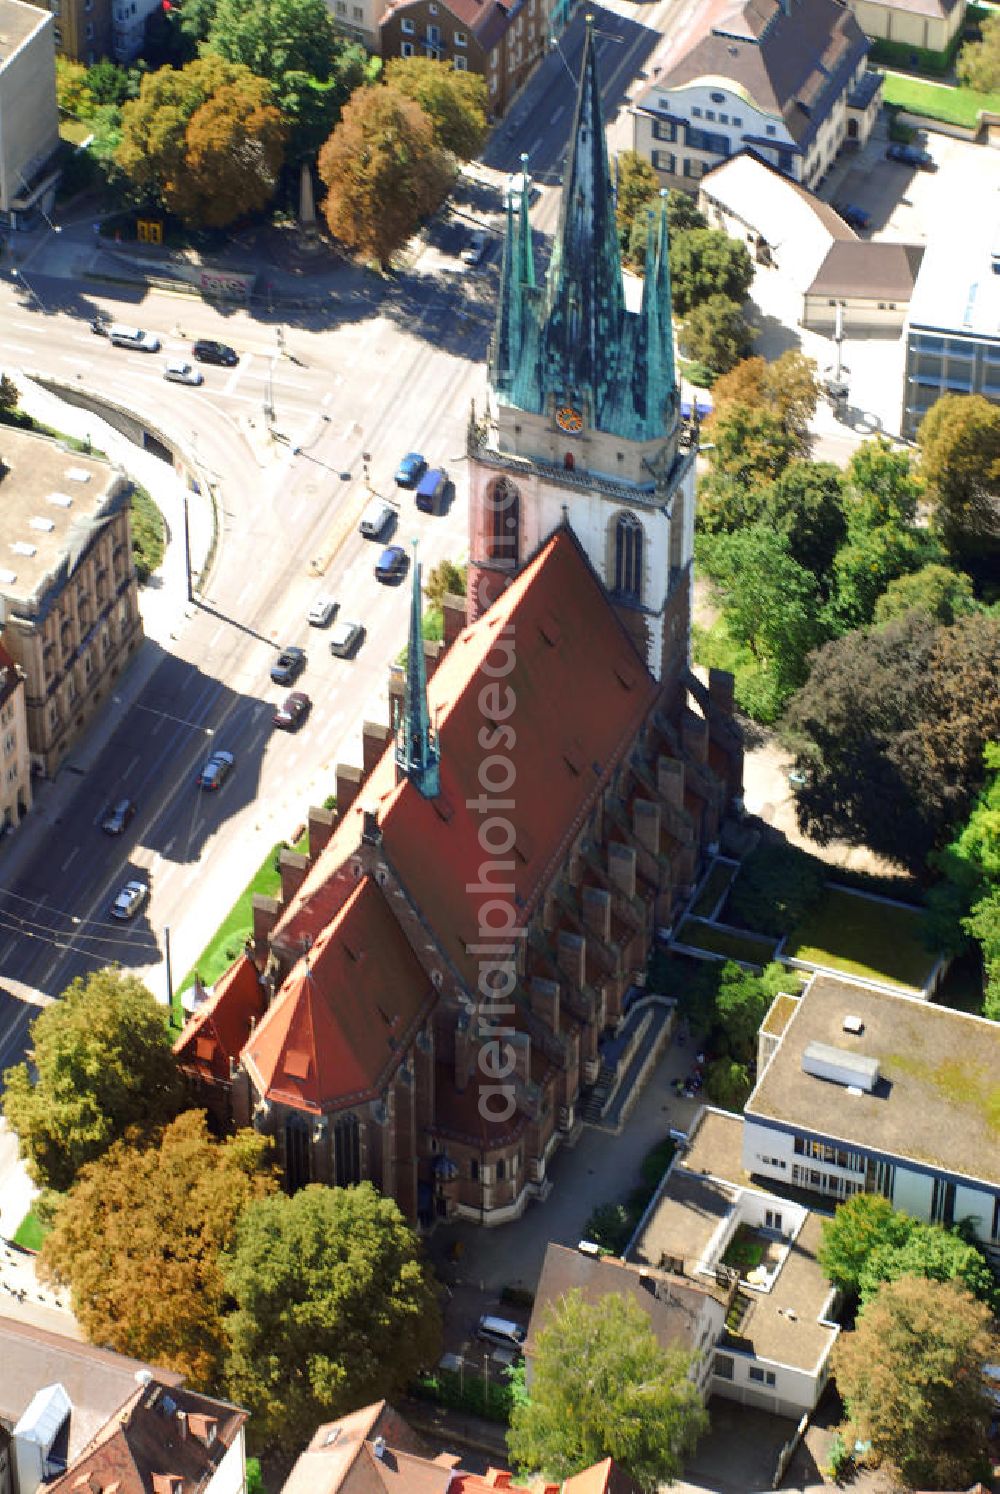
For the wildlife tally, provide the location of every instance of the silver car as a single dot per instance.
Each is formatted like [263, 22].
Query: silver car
[179, 371]
[346, 639]
[130, 900]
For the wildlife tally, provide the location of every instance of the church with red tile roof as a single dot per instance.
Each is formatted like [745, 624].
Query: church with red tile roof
[425, 1002]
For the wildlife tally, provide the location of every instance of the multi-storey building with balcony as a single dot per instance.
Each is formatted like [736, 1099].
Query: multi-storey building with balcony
[15, 759]
[69, 615]
[29, 118]
[787, 79]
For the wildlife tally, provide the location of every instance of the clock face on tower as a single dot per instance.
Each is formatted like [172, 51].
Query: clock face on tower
[569, 418]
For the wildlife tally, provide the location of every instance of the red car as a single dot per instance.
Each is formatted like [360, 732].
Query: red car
[291, 714]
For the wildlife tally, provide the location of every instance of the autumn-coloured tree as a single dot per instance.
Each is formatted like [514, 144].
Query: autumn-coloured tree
[383, 171]
[205, 139]
[911, 1374]
[101, 1064]
[454, 102]
[959, 440]
[138, 1240]
[786, 388]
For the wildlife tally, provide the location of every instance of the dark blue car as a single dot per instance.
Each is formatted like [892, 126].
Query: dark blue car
[410, 469]
[856, 216]
[391, 564]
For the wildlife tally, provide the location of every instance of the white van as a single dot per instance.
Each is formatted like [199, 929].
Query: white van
[133, 337]
[501, 1331]
[375, 517]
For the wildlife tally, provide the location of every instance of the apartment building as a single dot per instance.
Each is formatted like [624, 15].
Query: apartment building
[15, 761]
[500, 42]
[69, 614]
[932, 25]
[29, 118]
[787, 79]
[82, 28]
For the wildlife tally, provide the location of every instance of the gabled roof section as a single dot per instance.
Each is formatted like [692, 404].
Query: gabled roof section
[345, 1016]
[341, 1457]
[790, 63]
[603, 1478]
[510, 689]
[219, 1028]
[165, 1440]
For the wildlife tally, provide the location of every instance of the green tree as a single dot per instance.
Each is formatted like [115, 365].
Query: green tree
[936, 589]
[9, 393]
[444, 579]
[786, 387]
[312, 68]
[706, 262]
[204, 139]
[716, 333]
[890, 729]
[983, 924]
[752, 446]
[334, 1308]
[860, 1226]
[805, 503]
[769, 601]
[959, 440]
[776, 886]
[742, 1003]
[602, 1387]
[683, 212]
[72, 92]
[932, 1252]
[638, 188]
[911, 1374]
[383, 172]
[110, 84]
[102, 1064]
[138, 1241]
[728, 1084]
[454, 102]
[978, 62]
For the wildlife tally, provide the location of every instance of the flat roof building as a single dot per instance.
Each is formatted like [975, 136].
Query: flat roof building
[924, 1132]
[29, 117]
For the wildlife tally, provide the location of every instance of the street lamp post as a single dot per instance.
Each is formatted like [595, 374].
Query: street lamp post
[366, 457]
[187, 550]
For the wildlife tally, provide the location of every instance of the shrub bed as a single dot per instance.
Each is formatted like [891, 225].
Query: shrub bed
[749, 948]
[467, 1392]
[775, 887]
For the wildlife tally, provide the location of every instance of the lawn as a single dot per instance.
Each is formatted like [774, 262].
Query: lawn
[30, 1232]
[860, 936]
[716, 883]
[229, 937]
[960, 106]
[753, 949]
[743, 1252]
[75, 131]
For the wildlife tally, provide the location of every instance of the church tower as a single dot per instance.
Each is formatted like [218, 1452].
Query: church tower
[582, 423]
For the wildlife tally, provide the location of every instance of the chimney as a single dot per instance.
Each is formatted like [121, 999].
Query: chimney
[646, 825]
[348, 787]
[322, 823]
[694, 736]
[455, 611]
[621, 867]
[597, 912]
[182, 1425]
[670, 780]
[545, 1000]
[375, 738]
[722, 691]
[266, 912]
[571, 957]
[293, 867]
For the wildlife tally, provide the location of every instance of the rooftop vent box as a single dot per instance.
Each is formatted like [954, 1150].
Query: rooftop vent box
[78, 474]
[61, 500]
[588, 1247]
[21, 547]
[840, 1066]
[854, 1026]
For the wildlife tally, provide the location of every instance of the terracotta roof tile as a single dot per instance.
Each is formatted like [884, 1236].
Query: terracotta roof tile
[340, 1459]
[219, 1028]
[603, 1478]
[557, 628]
[347, 1013]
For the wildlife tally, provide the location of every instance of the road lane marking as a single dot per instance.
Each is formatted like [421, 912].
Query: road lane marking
[70, 859]
[131, 765]
[241, 368]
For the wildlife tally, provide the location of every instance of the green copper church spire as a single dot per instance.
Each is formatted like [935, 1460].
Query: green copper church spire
[416, 743]
[573, 342]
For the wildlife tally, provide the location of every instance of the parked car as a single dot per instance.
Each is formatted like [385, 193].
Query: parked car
[288, 665]
[391, 564]
[215, 772]
[346, 639]
[118, 817]
[375, 517]
[911, 155]
[431, 490]
[856, 216]
[410, 469]
[133, 337]
[179, 371]
[321, 611]
[130, 899]
[293, 711]
[207, 351]
[475, 250]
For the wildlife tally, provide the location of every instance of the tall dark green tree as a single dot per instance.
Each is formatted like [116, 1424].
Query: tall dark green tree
[706, 262]
[334, 1308]
[102, 1064]
[602, 1387]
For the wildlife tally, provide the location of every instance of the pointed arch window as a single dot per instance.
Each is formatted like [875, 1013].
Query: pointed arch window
[628, 557]
[298, 1160]
[503, 522]
[346, 1151]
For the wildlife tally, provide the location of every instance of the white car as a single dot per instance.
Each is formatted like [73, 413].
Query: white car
[129, 900]
[475, 249]
[321, 611]
[346, 638]
[178, 371]
[375, 517]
